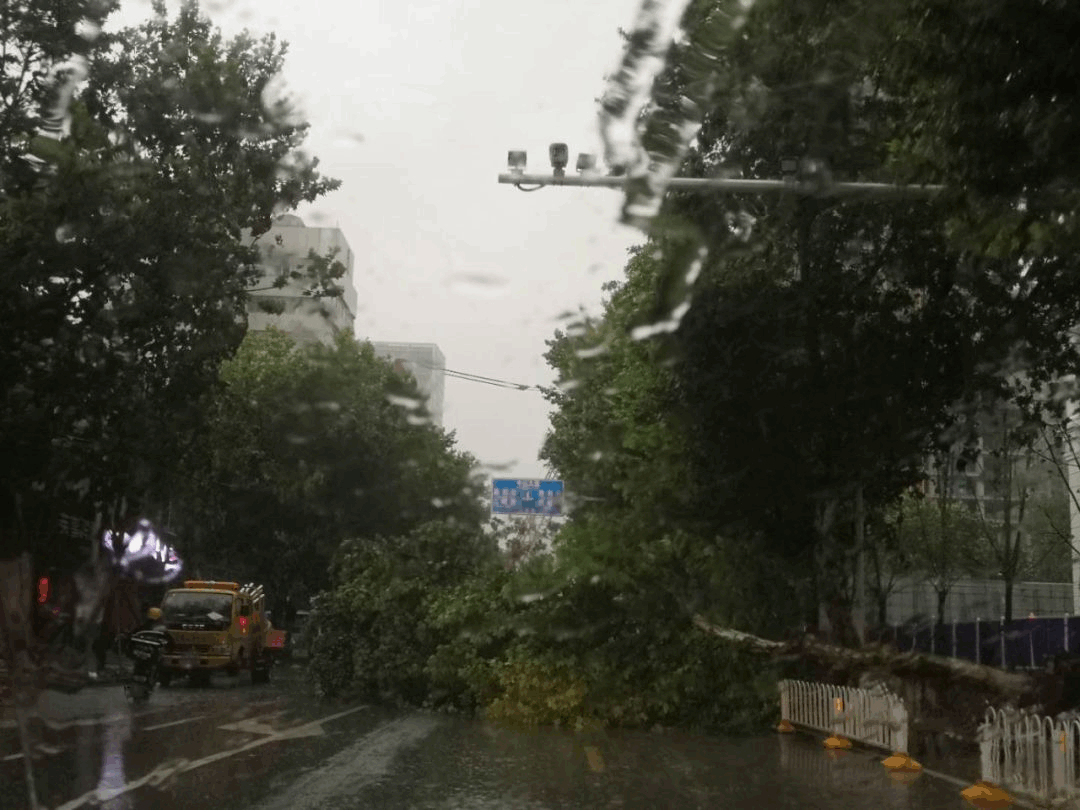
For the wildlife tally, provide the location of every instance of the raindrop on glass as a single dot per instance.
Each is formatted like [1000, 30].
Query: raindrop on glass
[349, 139]
[593, 351]
[408, 403]
[478, 285]
[87, 29]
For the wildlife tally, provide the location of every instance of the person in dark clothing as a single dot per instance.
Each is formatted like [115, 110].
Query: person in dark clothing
[123, 614]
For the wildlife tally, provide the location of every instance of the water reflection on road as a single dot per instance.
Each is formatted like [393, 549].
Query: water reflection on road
[471, 765]
[113, 780]
[268, 749]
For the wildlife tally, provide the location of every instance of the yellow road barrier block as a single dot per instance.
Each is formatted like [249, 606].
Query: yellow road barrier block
[987, 796]
[836, 742]
[900, 762]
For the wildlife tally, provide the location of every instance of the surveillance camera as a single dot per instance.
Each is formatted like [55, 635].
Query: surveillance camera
[586, 162]
[515, 159]
[560, 156]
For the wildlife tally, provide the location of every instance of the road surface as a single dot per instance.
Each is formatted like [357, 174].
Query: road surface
[269, 747]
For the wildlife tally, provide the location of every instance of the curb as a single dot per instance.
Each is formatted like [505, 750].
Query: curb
[965, 785]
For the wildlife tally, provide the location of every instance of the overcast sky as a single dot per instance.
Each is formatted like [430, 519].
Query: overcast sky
[414, 105]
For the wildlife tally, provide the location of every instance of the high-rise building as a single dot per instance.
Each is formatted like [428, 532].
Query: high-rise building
[426, 364]
[286, 249]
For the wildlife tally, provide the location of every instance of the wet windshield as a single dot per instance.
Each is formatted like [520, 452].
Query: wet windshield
[630, 403]
[179, 606]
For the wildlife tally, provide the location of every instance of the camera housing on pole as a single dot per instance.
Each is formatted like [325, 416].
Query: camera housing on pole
[560, 156]
[516, 160]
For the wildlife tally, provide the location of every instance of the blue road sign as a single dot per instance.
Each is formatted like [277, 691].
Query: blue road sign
[515, 496]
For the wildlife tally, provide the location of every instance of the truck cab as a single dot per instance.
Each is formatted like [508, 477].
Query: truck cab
[215, 626]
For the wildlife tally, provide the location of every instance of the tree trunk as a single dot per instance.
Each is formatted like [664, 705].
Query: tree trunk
[942, 597]
[859, 612]
[1010, 685]
[1008, 598]
[843, 631]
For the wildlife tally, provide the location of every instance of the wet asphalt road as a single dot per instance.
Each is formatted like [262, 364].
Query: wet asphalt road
[269, 747]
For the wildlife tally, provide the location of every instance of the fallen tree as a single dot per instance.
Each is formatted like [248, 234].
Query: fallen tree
[945, 697]
[1011, 685]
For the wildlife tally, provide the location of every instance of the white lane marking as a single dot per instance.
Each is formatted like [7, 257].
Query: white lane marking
[253, 725]
[61, 725]
[180, 722]
[42, 748]
[169, 771]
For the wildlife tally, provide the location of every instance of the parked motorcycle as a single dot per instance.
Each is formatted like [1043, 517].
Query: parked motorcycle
[144, 648]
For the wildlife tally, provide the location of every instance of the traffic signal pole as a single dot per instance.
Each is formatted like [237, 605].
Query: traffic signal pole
[719, 185]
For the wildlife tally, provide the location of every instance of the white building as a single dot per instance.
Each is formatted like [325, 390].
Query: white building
[285, 248]
[426, 363]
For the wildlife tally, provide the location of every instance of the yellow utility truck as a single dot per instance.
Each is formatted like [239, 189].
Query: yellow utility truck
[217, 627]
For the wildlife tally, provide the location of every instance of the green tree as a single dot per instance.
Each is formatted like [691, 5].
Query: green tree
[126, 282]
[306, 446]
[990, 110]
[45, 47]
[942, 541]
[889, 559]
[828, 348]
[1019, 484]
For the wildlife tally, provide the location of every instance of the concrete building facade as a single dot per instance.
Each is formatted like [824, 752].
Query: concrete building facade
[284, 249]
[426, 363]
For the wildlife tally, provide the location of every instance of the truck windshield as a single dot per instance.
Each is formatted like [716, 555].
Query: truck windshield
[180, 605]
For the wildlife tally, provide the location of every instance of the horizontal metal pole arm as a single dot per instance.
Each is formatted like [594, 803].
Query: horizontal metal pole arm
[727, 185]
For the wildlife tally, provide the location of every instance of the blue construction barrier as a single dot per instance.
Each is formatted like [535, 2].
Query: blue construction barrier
[1020, 643]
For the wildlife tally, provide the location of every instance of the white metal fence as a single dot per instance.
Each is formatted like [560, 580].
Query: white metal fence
[872, 716]
[1028, 754]
[1031, 754]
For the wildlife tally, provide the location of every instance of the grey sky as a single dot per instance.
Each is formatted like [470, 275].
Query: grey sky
[414, 106]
